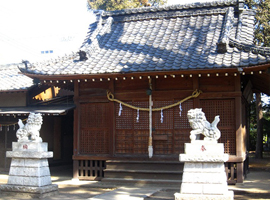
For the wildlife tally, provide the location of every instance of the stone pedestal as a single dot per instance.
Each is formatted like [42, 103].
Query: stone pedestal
[29, 173]
[204, 172]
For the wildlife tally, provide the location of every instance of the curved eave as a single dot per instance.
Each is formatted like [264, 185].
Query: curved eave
[247, 70]
[14, 91]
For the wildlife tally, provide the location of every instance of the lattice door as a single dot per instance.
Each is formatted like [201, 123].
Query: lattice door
[169, 134]
[132, 129]
[94, 128]
[163, 129]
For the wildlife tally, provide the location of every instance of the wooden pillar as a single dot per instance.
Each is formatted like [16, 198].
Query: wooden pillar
[75, 169]
[6, 141]
[112, 122]
[76, 130]
[238, 128]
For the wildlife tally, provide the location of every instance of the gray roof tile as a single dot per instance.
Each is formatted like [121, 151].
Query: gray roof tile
[11, 79]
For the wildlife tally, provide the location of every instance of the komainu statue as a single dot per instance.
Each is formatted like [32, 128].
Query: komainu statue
[30, 131]
[200, 125]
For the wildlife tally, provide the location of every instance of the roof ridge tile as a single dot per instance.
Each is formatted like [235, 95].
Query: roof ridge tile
[170, 7]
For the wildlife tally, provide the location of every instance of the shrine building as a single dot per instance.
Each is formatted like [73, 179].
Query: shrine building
[137, 74]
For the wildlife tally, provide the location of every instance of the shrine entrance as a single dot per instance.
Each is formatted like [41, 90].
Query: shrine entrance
[169, 130]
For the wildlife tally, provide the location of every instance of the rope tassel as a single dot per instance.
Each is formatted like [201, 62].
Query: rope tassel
[180, 108]
[150, 151]
[138, 115]
[120, 110]
[161, 116]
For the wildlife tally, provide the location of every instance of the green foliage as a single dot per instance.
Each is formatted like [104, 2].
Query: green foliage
[110, 5]
[253, 125]
[157, 2]
[262, 21]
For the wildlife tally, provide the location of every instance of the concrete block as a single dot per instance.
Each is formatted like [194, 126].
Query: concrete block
[15, 180]
[24, 162]
[228, 196]
[17, 162]
[43, 162]
[37, 181]
[19, 191]
[213, 167]
[203, 158]
[29, 171]
[204, 147]
[193, 167]
[220, 189]
[191, 188]
[205, 178]
[30, 146]
[29, 181]
[29, 154]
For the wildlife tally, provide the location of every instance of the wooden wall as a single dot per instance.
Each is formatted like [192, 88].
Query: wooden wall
[13, 99]
[99, 133]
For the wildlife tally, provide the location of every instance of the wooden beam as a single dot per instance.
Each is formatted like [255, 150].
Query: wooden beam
[233, 158]
[127, 157]
[261, 83]
[76, 130]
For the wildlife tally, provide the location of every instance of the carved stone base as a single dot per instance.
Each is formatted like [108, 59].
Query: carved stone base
[227, 196]
[28, 191]
[204, 174]
[29, 173]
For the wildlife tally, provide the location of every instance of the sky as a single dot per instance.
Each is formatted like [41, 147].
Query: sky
[38, 30]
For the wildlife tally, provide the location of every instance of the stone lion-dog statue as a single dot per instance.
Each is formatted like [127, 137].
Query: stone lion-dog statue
[200, 125]
[29, 132]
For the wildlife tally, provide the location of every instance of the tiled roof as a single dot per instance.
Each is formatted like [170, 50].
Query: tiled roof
[11, 79]
[213, 35]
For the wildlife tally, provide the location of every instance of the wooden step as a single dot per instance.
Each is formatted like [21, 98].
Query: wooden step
[140, 171]
[146, 165]
[143, 174]
[168, 183]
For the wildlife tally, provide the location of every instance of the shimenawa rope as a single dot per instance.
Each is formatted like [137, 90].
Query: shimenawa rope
[195, 94]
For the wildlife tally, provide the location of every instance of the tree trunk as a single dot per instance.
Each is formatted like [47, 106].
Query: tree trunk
[259, 115]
